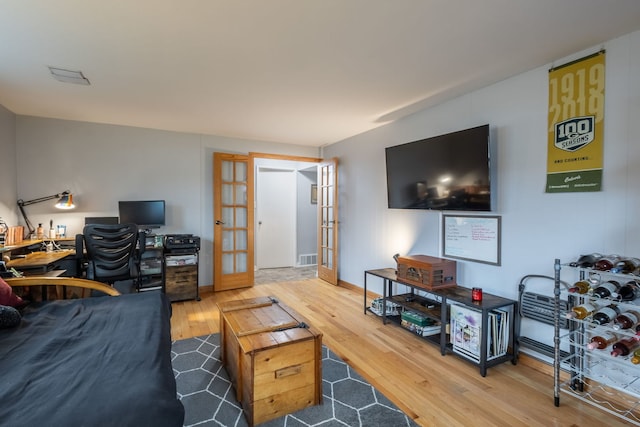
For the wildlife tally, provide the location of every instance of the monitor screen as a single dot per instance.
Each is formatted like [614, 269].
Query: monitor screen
[144, 213]
[100, 220]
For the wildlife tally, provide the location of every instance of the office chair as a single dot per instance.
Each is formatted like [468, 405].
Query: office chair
[112, 252]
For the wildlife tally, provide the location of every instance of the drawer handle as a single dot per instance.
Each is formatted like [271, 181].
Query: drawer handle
[288, 371]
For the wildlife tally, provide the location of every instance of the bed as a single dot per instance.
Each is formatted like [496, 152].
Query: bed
[95, 361]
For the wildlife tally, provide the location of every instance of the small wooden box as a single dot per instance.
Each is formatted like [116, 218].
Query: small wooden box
[273, 357]
[427, 272]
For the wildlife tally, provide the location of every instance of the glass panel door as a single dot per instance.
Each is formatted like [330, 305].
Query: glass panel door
[327, 221]
[233, 248]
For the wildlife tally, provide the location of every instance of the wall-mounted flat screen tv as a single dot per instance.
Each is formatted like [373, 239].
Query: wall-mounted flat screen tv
[446, 172]
[146, 214]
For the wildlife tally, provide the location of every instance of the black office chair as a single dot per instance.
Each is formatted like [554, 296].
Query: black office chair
[112, 252]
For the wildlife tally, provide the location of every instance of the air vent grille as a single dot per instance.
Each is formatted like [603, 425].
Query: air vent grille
[308, 259]
[541, 308]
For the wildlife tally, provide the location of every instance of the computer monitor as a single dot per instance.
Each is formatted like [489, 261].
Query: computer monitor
[100, 220]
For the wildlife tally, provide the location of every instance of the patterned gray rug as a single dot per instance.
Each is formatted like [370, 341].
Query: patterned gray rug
[209, 399]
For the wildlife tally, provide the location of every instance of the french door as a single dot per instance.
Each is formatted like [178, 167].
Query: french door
[328, 221]
[233, 222]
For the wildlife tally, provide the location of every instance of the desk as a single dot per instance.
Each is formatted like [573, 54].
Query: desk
[39, 262]
[25, 244]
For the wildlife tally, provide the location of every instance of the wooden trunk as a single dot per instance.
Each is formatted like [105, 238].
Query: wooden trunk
[273, 357]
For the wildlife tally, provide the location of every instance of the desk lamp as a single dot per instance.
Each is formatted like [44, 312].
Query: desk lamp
[65, 202]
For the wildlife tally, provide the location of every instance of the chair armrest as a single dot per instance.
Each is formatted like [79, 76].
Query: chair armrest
[62, 281]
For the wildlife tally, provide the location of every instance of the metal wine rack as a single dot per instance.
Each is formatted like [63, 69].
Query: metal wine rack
[593, 376]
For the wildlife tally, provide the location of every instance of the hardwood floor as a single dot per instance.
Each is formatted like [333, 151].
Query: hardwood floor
[433, 389]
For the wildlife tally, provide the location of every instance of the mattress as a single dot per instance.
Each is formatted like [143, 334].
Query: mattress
[97, 361]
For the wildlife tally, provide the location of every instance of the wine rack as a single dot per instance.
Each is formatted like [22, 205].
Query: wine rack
[594, 376]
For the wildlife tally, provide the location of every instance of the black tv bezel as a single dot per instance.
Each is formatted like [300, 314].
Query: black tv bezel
[491, 172]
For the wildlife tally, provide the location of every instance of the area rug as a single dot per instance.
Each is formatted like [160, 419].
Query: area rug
[209, 398]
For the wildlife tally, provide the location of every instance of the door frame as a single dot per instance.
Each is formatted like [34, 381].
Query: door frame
[252, 170]
[250, 200]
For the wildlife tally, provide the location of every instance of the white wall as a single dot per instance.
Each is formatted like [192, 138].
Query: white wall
[8, 197]
[102, 164]
[536, 227]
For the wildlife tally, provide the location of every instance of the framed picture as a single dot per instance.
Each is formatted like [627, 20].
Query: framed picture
[471, 238]
[314, 194]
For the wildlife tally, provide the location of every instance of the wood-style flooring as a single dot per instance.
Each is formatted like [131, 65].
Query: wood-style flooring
[433, 389]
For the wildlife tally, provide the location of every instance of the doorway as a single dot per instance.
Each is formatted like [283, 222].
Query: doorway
[235, 180]
[285, 218]
[275, 217]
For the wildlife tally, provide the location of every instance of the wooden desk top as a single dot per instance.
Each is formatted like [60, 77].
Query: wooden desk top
[50, 273]
[29, 242]
[39, 259]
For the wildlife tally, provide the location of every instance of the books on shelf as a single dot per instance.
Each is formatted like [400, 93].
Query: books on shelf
[466, 332]
[392, 308]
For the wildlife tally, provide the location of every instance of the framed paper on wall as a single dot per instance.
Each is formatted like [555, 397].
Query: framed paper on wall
[471, 238]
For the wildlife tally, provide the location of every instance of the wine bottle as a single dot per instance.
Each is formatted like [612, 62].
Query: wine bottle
[586, 261]
[626, 266]
[605, 315]
[581, 311]
[624, 346]
[608, 289]
[635, 359]
[626, 320]
[581, 287]
[606, 263]
[629, 291]
[602, 341]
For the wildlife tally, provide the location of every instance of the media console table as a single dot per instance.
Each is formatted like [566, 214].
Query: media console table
[437, 304]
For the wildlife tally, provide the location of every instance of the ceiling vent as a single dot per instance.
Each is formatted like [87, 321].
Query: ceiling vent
[69, 76]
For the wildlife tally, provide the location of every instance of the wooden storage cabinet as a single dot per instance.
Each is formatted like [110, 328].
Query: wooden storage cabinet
[181, 277]
[273, 357]
[436, 304]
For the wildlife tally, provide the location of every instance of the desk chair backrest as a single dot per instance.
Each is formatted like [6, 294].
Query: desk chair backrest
[111, 251]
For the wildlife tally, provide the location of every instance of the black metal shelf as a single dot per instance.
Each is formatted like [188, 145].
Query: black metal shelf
[435, 305]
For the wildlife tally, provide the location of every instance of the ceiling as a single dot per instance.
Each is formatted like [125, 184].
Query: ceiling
[309, 72]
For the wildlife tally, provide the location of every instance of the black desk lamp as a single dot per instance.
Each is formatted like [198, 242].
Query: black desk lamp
[65, 202]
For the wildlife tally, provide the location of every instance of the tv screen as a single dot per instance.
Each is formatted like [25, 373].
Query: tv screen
[144, 213]
[446, 172]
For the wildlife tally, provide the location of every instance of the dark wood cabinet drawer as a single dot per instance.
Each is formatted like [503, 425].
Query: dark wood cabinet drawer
[181, 282]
